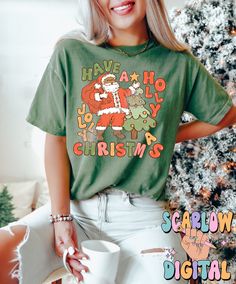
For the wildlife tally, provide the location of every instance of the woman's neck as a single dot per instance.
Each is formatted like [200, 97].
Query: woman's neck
[132, 36]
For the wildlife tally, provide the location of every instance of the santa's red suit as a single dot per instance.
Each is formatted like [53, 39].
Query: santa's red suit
[112, 107]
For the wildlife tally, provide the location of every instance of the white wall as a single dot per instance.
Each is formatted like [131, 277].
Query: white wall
[28, 31]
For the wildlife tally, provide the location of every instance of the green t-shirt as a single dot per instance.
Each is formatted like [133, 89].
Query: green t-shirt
[120, 114]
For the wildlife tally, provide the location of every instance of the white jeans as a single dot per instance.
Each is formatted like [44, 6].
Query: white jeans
[127, 219]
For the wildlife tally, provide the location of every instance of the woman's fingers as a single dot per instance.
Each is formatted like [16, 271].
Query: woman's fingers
[79, 254]
[73, 256]
[75, 264]
[77, 274]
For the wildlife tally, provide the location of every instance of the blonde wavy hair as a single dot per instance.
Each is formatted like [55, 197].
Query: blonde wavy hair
[93, 26]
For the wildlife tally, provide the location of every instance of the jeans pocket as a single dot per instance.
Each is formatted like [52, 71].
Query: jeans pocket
[145, 203]
[85, 209]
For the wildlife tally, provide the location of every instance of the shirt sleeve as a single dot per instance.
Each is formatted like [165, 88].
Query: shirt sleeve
[207, 100]
[48, 108]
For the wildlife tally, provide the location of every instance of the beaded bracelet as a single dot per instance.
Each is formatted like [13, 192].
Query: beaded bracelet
[60, 217]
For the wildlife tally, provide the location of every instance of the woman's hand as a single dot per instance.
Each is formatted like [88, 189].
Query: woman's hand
[66, 236]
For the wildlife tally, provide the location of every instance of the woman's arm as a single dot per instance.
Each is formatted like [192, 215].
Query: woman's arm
[57, 167]
[197, 128]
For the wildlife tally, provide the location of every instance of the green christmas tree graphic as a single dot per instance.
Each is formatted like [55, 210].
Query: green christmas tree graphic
[139, 117]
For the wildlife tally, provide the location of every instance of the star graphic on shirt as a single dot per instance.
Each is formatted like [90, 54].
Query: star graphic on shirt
[134, 76]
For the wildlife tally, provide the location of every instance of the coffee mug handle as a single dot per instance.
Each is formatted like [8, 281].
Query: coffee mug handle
[70, 251]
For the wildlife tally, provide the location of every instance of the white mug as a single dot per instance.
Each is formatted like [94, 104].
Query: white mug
[102, 263]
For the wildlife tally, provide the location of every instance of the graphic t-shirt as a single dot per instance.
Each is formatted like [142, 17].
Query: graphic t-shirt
[120, 114]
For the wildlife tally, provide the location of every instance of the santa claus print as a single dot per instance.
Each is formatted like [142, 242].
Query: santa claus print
[107, 99]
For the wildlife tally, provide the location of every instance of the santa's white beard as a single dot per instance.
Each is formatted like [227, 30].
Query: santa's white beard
[111, 88]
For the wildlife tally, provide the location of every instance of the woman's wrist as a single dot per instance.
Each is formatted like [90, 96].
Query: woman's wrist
[63, 209]
[58, 211]
[60, 217]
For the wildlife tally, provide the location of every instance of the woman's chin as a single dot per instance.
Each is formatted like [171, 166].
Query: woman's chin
[124, 25]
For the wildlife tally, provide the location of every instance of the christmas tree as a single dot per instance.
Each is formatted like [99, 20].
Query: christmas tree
[6, 208]
[139, 117]
[209, 28]
[202, 175]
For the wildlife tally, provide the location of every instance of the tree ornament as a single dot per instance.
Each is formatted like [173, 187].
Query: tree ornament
[233, 32]
[205, 193]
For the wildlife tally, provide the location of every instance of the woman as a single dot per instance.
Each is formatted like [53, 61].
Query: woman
[110, 101]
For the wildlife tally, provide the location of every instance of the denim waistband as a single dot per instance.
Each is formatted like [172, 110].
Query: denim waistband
[126, 194]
